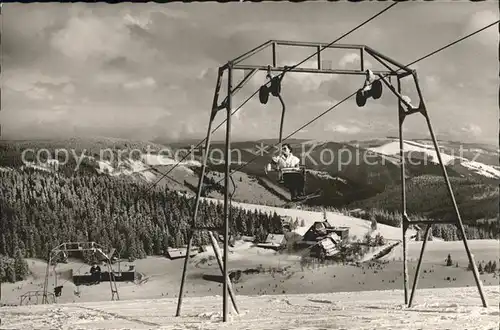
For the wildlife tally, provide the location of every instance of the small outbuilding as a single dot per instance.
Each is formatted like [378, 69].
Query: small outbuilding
[176, 253]
[274, 241]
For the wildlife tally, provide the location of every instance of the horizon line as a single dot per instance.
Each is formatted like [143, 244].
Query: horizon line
[238, 140]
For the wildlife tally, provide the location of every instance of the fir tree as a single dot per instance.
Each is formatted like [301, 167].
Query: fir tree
[368, 240]
[374, 224]
[20, 266]
[488, 266]
[449, 262]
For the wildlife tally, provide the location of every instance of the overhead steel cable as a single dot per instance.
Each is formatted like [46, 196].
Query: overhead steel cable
[369, 84]
[280, 75]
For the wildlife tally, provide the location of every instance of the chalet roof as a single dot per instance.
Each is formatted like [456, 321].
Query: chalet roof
[328, 246]
[275, 239]
[336, 238]
[176, 253]
[179, 252]
[321, 224]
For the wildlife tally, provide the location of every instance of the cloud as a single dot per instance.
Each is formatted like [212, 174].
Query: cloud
[144, 22]
[344, 129]
[22, 80]
[38, 93]
[88, 36]
[32, 86]
[111, 78]
[353, 58]
[69, 88]
[142, 70]
[295, 81]
[349, 59]
[308, 82]
[97, 38]
[472, 129]
[432, 83]
[142, 83]
[432, 88]
[480, 19]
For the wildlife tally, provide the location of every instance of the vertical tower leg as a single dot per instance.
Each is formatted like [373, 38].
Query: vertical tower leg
[200, 188]
[193, 224]
[215, 246]
[226, 192]
[55, 276]
[417, 272]
[459, 222]
[184, 270]
[112, 281]
[404, 220]
[111, 276]
[46, 281]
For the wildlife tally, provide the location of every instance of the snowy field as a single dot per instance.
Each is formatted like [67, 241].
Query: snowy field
[447, 296]
[457, 308]
[436, 250]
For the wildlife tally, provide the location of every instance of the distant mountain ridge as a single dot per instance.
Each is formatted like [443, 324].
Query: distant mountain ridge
[358, 182]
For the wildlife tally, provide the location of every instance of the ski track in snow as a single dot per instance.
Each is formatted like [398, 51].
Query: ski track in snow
[433, 309]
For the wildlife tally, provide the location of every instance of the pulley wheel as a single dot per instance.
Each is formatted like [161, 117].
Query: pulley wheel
[263, 94]
[360, 98]
[275, 86]
[376, 90]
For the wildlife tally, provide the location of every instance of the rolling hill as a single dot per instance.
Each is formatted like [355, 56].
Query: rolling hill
[428, 196]
[355, 174]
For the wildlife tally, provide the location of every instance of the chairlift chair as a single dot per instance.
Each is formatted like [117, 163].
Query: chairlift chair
[291, 178]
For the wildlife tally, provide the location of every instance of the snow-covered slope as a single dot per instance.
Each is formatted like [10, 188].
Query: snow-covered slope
[127, 167]
[144, 166]
[433, 309]
[392, 149]
[357, 227]
[482, 169]
[157, 160]
[50, 166]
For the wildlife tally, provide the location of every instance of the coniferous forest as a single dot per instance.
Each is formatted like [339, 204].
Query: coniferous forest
[42, 210]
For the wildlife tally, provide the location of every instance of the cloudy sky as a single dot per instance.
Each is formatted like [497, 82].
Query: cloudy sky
[147, 71]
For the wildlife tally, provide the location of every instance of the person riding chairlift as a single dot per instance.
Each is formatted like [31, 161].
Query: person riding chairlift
[293, 180]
